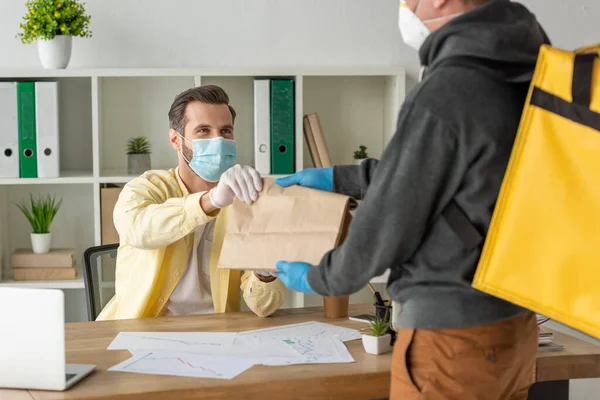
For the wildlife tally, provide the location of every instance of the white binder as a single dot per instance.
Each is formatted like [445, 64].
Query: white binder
[46, 124]
[9, 131]
[262, 126]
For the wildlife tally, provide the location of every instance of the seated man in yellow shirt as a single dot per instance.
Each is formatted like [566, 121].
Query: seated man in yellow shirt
[171, 223]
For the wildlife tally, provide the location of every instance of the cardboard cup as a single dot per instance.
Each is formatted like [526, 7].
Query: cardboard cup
[336, 307]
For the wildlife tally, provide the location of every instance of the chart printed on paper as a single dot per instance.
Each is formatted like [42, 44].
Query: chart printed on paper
[210, 342]
[320, 350]
[305, 330]
[185, 364]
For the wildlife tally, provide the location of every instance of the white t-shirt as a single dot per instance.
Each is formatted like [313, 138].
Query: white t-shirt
[192, 294]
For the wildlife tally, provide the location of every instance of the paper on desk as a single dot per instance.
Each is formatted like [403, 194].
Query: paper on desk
[175, 341]
[304, 330]
[320, 350]
[184, 364]
[294, 223]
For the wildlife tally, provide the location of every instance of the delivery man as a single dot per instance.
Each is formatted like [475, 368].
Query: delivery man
[453, 140]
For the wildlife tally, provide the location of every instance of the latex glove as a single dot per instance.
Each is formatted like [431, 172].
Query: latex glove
[293, 275]
[316, 178]
[241, 182]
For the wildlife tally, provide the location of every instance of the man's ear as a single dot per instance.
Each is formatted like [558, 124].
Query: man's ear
[175, 139]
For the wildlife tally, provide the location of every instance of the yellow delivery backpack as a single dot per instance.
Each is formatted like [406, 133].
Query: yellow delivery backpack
[542, 250]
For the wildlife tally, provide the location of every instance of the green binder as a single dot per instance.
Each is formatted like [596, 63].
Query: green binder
[27, 135]
[282, 127]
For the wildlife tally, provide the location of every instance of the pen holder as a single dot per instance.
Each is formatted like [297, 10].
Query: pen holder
[336, 307]
[380, 311]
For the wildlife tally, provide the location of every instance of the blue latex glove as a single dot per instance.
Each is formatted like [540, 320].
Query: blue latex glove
[316, 178]
[293, 275]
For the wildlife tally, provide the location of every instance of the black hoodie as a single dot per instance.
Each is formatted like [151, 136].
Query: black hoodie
[454, 137]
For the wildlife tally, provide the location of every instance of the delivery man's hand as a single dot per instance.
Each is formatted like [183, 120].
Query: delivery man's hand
[316, 178]
[241, 182]
[293, 275]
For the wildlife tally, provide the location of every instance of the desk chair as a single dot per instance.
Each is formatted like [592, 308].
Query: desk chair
[99, 264]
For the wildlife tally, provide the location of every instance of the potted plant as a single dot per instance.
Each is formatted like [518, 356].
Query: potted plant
[53, 23]
[376, 339]
[40, 213]
[138, 155]
[360, 154]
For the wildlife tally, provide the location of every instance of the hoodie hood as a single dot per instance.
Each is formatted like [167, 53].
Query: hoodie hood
[501, 38]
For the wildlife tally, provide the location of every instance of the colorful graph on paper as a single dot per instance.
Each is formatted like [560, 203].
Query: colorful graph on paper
[175, 341]
[184, 364]
[305, 330]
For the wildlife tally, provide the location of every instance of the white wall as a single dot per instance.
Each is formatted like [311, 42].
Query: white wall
[242, 33]
[254, 33]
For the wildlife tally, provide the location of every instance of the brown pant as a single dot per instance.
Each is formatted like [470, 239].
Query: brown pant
[490, 362]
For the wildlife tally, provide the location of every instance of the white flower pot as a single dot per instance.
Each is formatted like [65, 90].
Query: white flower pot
[377, 344]
[357, 162]
[55, 53]
[40, 242]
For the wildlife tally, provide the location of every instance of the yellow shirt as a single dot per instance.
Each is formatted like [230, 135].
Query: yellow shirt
[156, 218]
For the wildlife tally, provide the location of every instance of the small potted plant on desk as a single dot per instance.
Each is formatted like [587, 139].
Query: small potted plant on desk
[138, 155]
[376, 338]
[360, 154]
[40, 213]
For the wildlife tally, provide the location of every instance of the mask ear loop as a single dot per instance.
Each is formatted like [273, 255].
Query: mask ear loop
[181, 149]
[418, 5]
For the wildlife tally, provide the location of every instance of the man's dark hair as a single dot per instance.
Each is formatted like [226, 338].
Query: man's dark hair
[209, 94]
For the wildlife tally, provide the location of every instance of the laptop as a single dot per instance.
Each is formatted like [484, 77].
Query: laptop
[32, 341]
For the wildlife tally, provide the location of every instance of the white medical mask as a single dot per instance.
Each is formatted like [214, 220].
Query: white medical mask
[414, 31]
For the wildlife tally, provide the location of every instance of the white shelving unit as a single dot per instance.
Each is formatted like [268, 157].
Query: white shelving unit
[99, 109]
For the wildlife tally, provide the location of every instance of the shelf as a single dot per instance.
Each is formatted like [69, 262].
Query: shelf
[116, 176]
[150, 72]
[70, 284]
[67, 177]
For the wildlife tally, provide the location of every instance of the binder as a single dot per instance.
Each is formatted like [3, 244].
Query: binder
[46, 125]
[9, 131]
[282, 127]
[27, 145]
[262, 126]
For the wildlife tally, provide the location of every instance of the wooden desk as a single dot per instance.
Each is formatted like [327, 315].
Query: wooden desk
[367, 378]
[579, 360]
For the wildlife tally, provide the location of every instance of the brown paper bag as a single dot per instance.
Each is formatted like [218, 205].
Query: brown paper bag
[289, 224]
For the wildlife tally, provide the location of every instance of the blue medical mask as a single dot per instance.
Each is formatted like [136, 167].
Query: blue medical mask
[211, 157]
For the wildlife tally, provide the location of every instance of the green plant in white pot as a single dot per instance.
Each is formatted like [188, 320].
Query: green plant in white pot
[376, 339]
[53, 24]
[40, 213]
[360, 154]
[138, 155]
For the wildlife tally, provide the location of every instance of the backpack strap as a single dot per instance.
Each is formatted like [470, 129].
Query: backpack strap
[583, 72]
[462, 225]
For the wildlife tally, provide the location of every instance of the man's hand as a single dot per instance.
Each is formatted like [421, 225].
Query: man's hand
[241, 182]
[316, 178]
[293, 275]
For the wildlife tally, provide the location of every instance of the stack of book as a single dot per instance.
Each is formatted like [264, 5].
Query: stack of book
[58, 264]
[545, 338]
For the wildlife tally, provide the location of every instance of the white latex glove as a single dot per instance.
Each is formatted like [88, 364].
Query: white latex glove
[241, 182]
